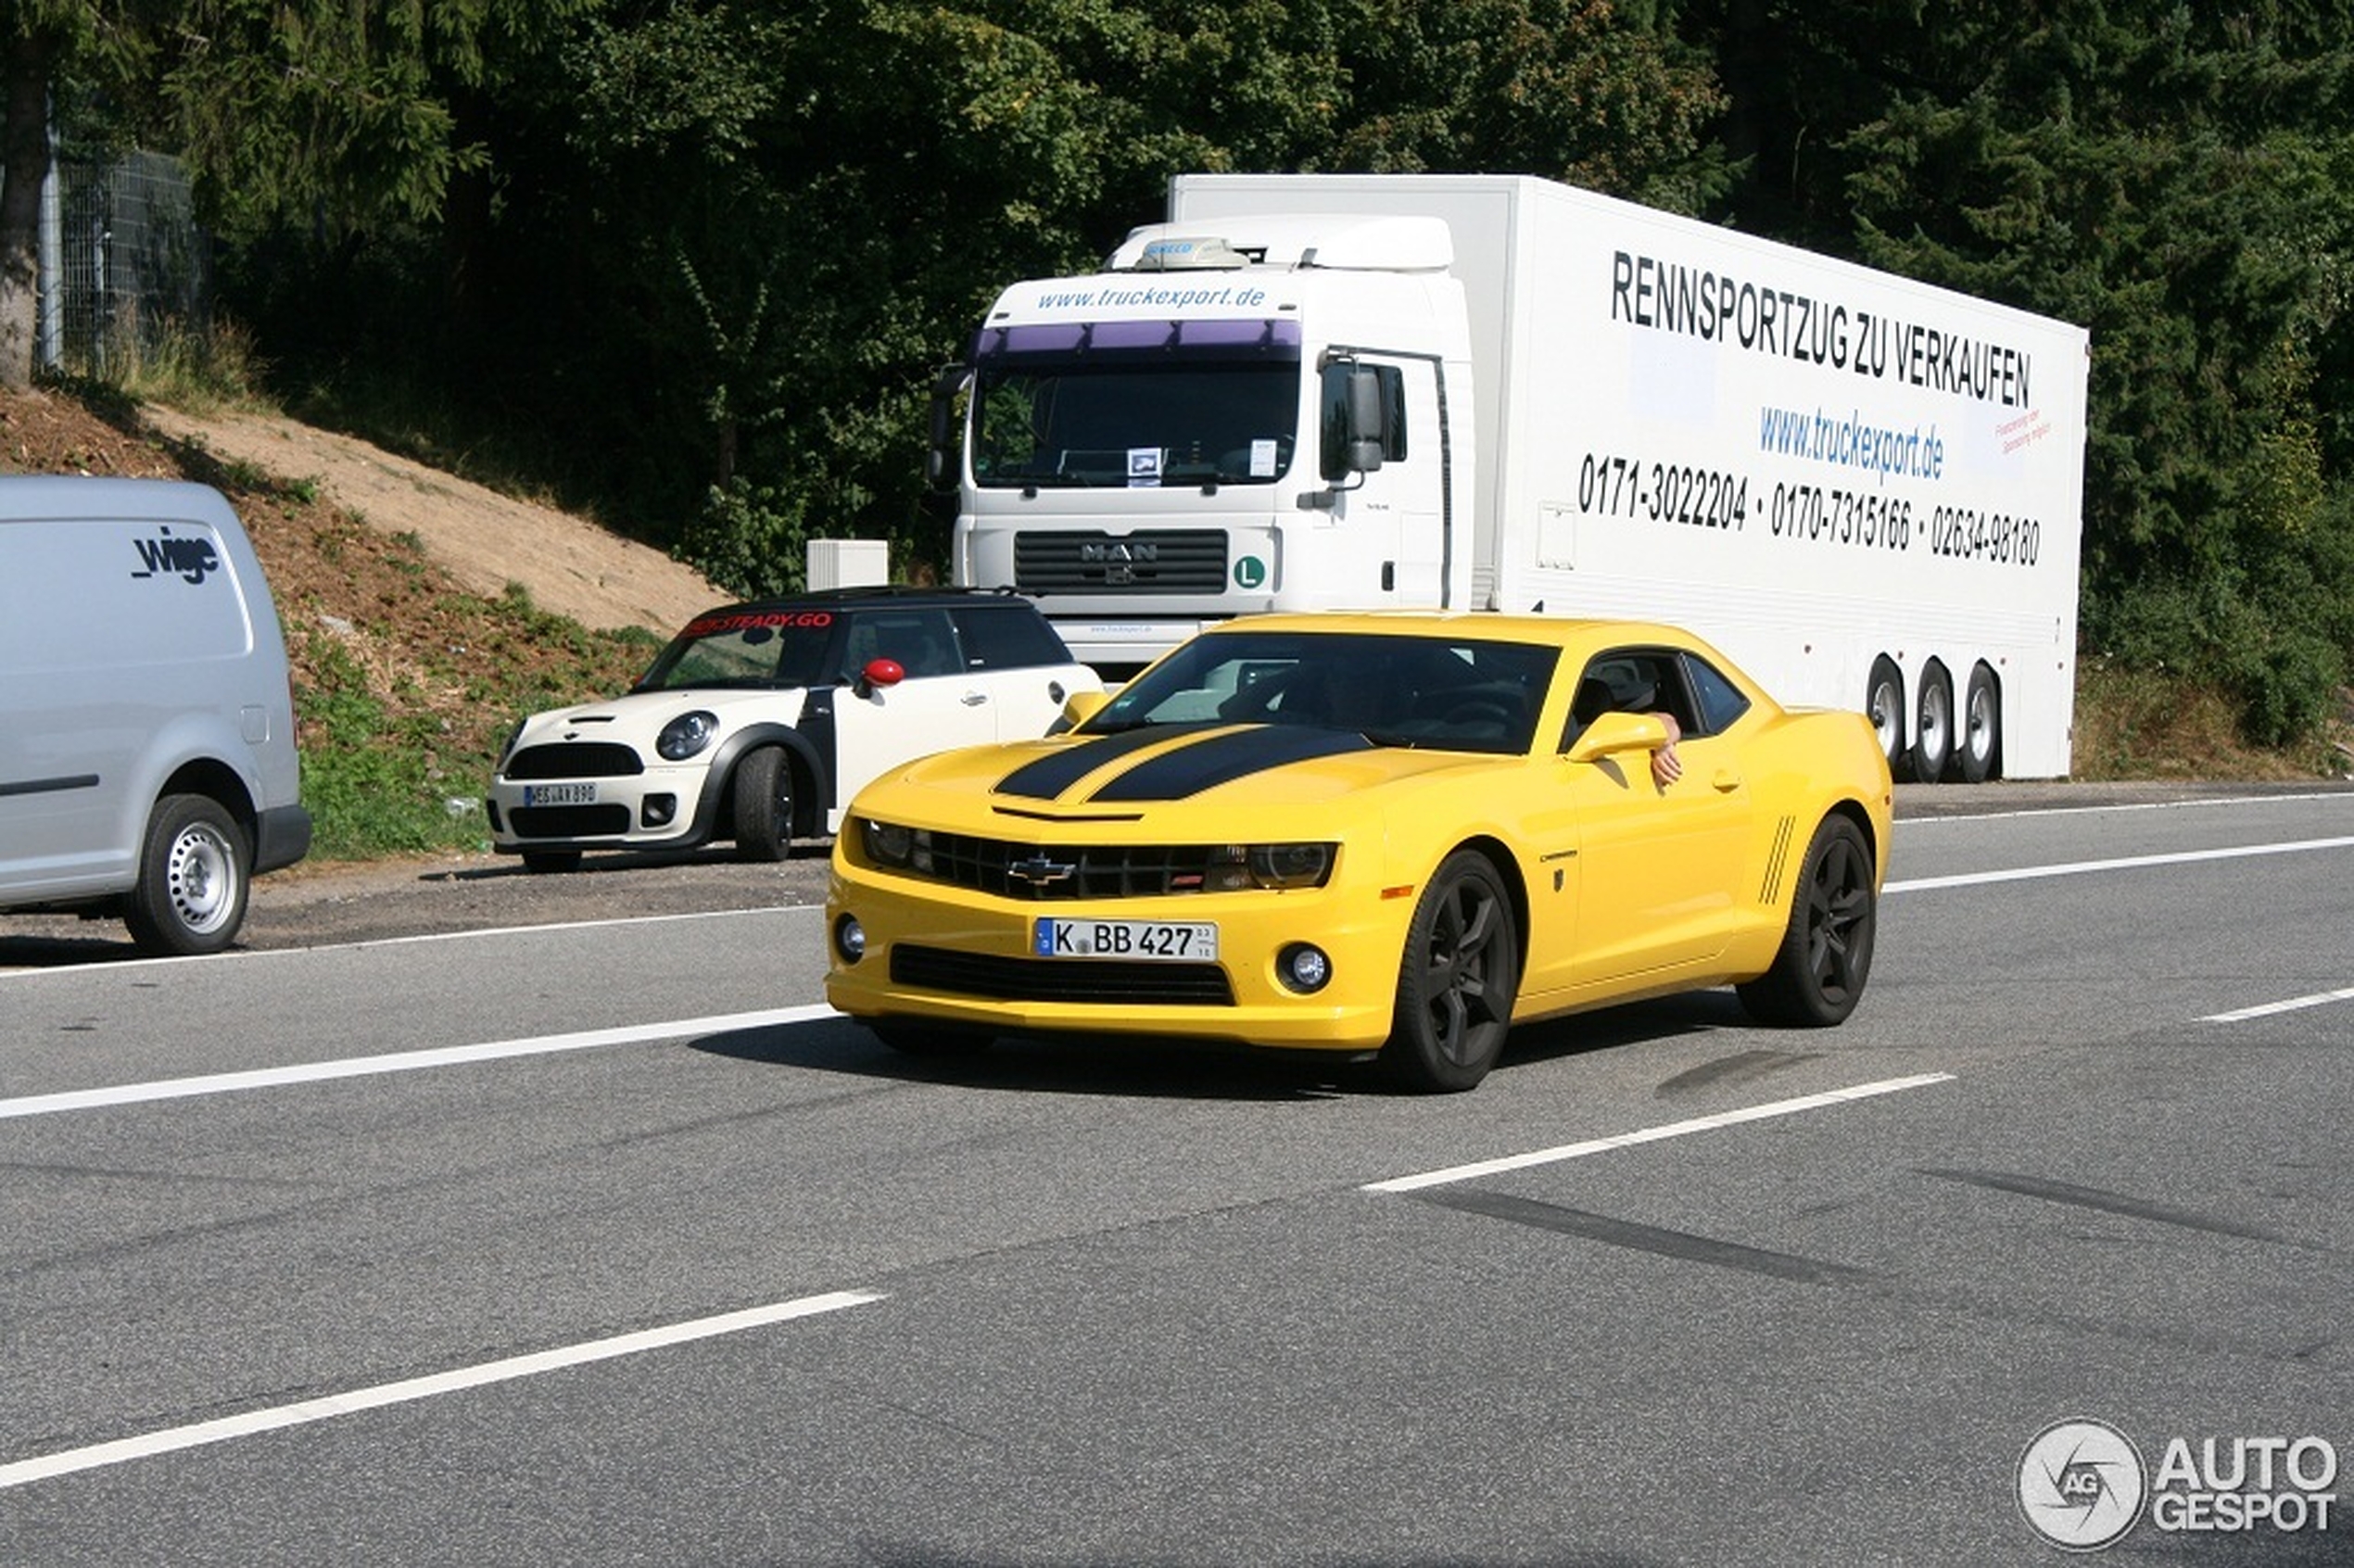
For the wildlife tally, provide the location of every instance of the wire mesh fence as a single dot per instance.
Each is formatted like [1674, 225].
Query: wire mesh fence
[126, 262]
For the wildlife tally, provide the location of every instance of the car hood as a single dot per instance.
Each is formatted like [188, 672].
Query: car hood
[638, 717]
[1225, 768]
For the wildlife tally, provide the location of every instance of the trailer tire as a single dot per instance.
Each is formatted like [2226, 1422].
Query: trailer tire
[1982, 736]
[1933, 724]
[1884, 705]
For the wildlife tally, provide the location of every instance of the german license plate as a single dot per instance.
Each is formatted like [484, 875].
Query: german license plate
[1193, 941]
[559, 794]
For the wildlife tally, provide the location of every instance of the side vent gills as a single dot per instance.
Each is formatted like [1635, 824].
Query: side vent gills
[1776, 859]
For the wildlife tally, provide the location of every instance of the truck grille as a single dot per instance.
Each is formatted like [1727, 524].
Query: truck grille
[1049, 980]
[1156, 561]
[575, 759]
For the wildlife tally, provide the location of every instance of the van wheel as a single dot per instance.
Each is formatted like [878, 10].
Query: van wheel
[764, 805]
[193, 875]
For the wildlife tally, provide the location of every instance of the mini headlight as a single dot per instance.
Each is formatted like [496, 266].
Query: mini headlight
[888, 844]
[686, 735]
[508, 748]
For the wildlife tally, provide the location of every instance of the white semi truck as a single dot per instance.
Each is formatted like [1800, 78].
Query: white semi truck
[1495, 392]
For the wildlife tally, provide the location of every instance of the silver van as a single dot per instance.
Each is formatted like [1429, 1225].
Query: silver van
[147, 766]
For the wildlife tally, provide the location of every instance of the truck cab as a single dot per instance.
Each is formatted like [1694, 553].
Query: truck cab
[1246, 415]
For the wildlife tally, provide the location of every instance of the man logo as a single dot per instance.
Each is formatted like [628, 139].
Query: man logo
[2081, 1484]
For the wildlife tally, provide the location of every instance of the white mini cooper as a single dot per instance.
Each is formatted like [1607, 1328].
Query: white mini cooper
[761, 720]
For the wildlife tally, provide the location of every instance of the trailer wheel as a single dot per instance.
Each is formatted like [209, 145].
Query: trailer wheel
[1884, 704]
[1933, 724]
[1982, 750]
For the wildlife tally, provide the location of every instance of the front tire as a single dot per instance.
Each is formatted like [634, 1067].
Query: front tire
[195, 868]
[1826, 954]
[764, 806]
[1455, 981]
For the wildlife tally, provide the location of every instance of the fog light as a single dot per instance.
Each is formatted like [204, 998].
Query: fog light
[656, 811]
[850, 939]
[1304, 967]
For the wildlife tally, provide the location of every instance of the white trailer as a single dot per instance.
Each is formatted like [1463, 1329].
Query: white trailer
[1494, 392]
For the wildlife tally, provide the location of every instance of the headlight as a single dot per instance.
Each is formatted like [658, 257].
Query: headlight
[686, 735]
[887, 842]
[1233, 868]
[508, 748]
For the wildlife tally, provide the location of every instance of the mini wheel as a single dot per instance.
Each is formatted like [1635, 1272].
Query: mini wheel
[764, 806]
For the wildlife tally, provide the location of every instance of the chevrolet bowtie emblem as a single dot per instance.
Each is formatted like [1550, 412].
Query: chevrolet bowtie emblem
[1039, 871]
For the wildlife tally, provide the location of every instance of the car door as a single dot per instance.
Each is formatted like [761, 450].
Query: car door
[1656, 869]
[1013, 657]
[936, 706]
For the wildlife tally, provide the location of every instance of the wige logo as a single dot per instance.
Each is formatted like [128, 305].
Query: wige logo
[189, 560]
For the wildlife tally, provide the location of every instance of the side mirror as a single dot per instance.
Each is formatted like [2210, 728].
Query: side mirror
[1078, 708]
[1367, 446]
[880, 675]
[1611, 734]
[942, 468]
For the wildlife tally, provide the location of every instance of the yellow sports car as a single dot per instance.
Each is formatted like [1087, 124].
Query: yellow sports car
[1390, 833]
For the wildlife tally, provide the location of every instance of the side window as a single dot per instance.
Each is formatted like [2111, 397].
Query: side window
[1006, 637]
[1333, 396]
[1721, 702]
[1631, 680]
[919, 640]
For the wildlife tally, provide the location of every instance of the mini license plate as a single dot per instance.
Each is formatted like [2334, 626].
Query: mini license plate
[559, 794]
[1193, 941]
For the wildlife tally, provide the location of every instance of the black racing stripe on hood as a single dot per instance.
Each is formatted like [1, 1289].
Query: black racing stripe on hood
[1051, 775]
[1223, 758]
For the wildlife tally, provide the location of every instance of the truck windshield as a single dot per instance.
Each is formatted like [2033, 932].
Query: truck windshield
[1084, 407]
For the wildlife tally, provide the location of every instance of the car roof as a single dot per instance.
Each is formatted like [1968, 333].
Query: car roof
[1487, 625]
[895, 595]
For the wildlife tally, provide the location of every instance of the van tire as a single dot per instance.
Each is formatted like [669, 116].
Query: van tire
[195, 869]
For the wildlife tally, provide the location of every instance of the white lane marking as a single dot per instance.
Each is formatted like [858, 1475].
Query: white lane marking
[404, 1061]
[2265, 1011]
[2079, 867]
[1653, 1135]
[150, 1444]
[1915, 822]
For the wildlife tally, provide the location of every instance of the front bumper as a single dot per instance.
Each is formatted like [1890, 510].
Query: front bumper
[943, 954]
[661, 808]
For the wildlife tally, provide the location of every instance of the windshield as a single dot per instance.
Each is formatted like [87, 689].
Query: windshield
[745, 648]
[1465, 694]
[1136, 403]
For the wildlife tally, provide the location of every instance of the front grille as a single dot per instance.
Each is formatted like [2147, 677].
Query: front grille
[569, 822]
[1154, 561]
[1060, 980]
[1026, 872]
[575, 759]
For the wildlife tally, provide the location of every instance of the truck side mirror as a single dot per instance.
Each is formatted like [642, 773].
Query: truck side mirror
[941, 466]
[1368, 440]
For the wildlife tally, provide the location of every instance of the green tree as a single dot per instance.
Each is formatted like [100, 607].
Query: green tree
[340, 110]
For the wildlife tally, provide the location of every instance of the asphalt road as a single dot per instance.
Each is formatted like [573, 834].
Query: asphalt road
[573, 1243]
